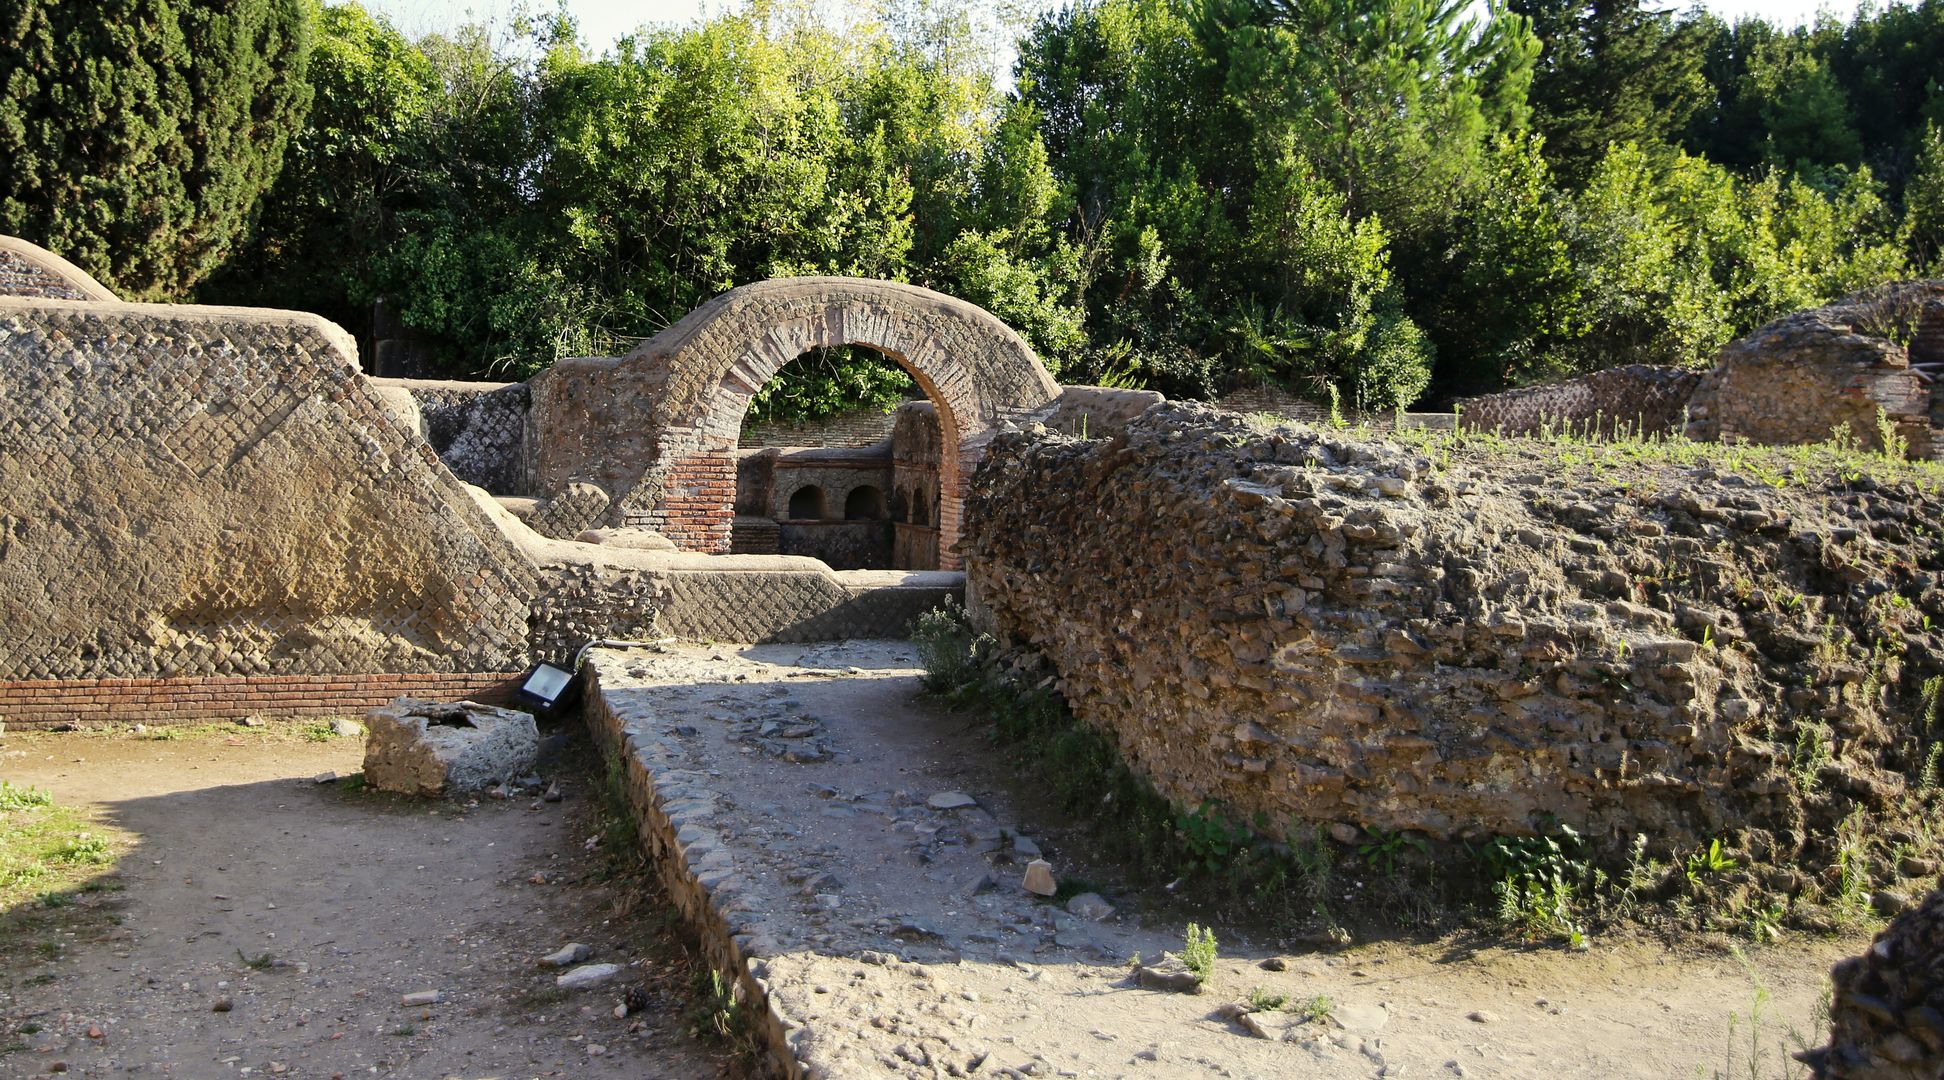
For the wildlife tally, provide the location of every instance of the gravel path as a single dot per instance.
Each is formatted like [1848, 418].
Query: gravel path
[270, 926]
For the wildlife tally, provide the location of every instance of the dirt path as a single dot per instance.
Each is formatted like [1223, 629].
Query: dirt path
[310, 909]
[894, 927]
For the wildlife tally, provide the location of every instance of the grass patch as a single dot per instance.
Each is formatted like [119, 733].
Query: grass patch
[46, 849]
[541, 997]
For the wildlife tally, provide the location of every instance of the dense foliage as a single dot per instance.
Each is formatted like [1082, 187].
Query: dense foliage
[137, 135]
[1371, 201]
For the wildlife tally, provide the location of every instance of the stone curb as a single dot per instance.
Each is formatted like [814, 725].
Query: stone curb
[676, 815]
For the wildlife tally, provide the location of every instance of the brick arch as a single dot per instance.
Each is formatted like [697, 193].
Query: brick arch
[695, 381]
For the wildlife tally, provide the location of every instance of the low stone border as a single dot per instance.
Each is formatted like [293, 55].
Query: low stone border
[674, 811]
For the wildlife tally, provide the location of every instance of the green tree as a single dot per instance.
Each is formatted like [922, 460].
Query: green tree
[1924, 205]
[1610, 71]
[1506, 300]
[361, 158]
[139, 135]
[1678, 258]
[1803, 110]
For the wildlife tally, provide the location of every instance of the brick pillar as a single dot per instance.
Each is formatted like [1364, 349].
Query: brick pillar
[954, 480]
[697, 507]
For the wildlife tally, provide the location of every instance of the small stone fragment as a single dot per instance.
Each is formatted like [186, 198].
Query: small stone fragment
[951, 800]
[429, 748]
[222, 1004]
[1480, 1016]
[1039, 878]
[1175, 979]
[421, 998]
[1890, 902]
[1274, 963]
[587, 975]
[1090, 906]
[567, 955]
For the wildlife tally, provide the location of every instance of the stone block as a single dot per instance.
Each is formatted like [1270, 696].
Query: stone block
[427, 748]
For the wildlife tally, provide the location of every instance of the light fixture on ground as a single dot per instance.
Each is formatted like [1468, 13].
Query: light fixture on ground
[546, 685]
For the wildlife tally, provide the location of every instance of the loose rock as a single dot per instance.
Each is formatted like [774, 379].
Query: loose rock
[588, 975]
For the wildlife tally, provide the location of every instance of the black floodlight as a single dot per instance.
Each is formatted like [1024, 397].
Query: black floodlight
[547, 686]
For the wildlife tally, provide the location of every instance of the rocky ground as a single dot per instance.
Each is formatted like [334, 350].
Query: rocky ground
[267, 924]
[879, 846]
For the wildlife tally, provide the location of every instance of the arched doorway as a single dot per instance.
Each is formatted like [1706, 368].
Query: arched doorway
[658, 428]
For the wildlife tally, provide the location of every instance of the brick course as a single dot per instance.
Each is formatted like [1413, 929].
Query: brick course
[46, 703]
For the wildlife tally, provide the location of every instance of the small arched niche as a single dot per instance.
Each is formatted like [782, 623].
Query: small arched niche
[807, 503]
[920, 508]
[864, 503]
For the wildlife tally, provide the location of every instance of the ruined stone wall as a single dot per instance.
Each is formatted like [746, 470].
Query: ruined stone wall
[658, 428]
[1806, 376]
[1264, 398]
[1638, 399]
[477, 428]
[1328, 628]
[197, 492]
[837, 473]
[917, 447]
[849, 545]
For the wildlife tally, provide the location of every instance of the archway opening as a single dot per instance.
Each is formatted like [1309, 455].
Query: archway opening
[864, 503]
[807, 503]
[834, 419]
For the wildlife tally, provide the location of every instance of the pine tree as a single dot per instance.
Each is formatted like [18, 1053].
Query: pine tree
[139, 135]
[1611, 71]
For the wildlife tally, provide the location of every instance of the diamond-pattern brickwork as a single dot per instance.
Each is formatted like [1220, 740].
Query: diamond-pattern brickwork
[478, 429]
[32, 271]
[213, 492]
[1638, 399]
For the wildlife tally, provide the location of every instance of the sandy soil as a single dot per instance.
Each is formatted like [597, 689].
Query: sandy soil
[312, 908]
[821, 764]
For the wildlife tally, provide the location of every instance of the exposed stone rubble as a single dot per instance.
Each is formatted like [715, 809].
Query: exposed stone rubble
[1886, 1013]
[478, 428]
[29, 270]
[1352, 632]
[427, 748]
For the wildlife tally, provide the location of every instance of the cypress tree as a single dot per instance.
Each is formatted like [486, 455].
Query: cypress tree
[137, 136]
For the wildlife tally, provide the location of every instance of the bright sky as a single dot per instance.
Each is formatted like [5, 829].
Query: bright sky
[603, 21]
